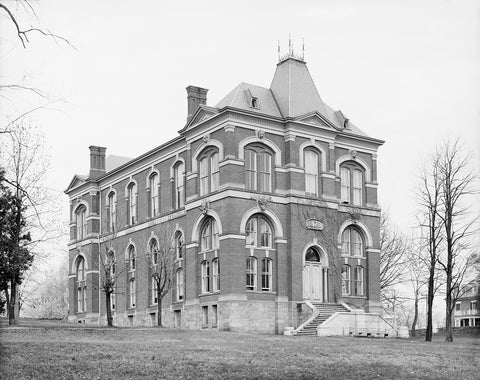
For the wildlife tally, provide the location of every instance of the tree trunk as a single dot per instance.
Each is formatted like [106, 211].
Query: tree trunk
[11, 304]
[431, 284]
[448, 309]
[415, 317]
[159, 310]
[109, 308]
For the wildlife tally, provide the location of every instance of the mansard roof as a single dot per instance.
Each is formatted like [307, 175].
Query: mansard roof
[292, 95]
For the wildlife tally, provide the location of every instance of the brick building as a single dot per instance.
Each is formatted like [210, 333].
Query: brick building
[273, 198]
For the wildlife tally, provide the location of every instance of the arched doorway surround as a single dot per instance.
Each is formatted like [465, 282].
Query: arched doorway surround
[315, 274]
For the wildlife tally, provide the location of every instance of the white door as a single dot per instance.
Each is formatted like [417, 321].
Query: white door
[312, 282]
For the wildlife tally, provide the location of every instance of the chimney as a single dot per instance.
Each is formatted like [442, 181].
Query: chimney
[97, 161]
[195, 97]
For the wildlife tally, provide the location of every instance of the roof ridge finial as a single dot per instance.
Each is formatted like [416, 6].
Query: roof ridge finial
[291, 51]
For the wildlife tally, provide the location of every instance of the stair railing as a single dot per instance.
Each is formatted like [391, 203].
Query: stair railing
[309, 320]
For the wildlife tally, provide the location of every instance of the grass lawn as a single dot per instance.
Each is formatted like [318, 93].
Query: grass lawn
[60, 351]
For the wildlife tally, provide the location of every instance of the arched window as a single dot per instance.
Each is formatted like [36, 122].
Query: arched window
[312, 255]
[81, 222]
[258, 168]
[180, 284]
[153, 252]
[205, 277]
[81, 286]
[216, 274]
[251, 273]
[259, 232]
[351, 183]
[132, 203]
[346, 277]
[352, 242]
[311, 172]
[154, 198]
[179, 246]
[358, 291]
[112, 211]
[267, 274]
[131, 276]
[178, 185]
[209, 235]
[209, 171]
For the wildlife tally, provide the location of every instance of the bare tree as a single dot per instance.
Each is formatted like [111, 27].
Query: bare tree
[110, 271]
[457, 181]
[161, 263]
[394, 248]
[26, 163]
[429, 195]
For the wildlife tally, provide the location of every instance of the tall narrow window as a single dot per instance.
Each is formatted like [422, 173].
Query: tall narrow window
[131, 276]
[111, 278]
[265, 172]
[154, 288]
[153, 252]
[154, 199]
[215, 176]
[259, 232]
[112, 211]
[180, 285]
[209, 235]
[132, 203]
[204, 176]
[346, 276]
[179, 189]
[251, 280]
[209, 171]
[179, 246]
[358, 281]
[351, 183]
[81, 286]
[216, 274]
[205, 277]
[345, 184]
[251, 170]
[81, 222]
[251, 231]
[311, 172]
[267, 274]
[357, 187]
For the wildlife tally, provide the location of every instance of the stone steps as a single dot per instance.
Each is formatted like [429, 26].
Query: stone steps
[325, 311]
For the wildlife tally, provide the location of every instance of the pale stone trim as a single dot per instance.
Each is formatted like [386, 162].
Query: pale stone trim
[372, 185]
[192, 245]
[232, 236]
[265, 141]
[372, 250]
[74, 262]
[198, 222]
[141, 226]
[358, 223]
[203, 146]
[231, 161]
[290, 170]
[313, 144]
[229, 128]
[328, 175]
[273, 217]
[347, 157]
[91, 272]
[191, 175]
[93, 217]
[281, 241]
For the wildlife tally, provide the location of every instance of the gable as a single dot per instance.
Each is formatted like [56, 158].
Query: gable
[76, 181]
[203, 113]
[314, 119]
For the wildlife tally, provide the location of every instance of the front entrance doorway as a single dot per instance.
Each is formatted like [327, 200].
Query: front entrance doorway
[314, 276]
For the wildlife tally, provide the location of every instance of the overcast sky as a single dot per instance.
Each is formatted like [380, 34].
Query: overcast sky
[407, 72]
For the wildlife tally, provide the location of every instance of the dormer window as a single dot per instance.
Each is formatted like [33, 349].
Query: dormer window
[252, 100]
